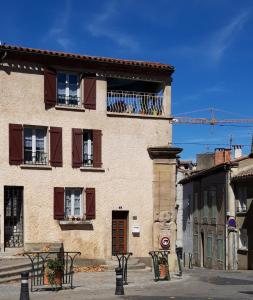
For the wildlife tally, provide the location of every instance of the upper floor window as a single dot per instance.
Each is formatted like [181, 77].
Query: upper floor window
[88, 148]
[35, 145]
[242, 199]
[68, 92]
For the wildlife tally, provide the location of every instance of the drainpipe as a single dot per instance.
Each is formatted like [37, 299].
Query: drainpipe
[225, 219]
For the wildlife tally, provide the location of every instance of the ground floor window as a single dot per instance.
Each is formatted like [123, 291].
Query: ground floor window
[209, 246]
[220, 248]
[73, 202]
[243, 239]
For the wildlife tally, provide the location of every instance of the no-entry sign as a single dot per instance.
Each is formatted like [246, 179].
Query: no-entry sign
[165, 242]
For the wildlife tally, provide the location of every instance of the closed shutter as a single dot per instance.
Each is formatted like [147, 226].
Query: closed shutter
[58, 203]
[56, 146]
[49, 87]
[15, 144]
[77, 141]
[90, 203]
[89, 93]
[97, 148]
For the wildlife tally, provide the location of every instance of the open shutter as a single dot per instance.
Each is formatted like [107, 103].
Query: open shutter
[89, 93]
[58, 203]
[97, 148]
[77, 141]
[49, 87]
[15, 144]
[56, 146]
[90, 204]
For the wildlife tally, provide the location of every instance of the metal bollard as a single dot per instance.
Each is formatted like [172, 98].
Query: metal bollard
[119, 282]
[24, 292]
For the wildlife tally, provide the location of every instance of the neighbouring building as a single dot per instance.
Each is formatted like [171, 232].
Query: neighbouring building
[210, 193]
[85, 155]
[184, 210]
[242, 183]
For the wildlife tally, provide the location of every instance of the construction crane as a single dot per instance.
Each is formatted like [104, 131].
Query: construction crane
[208, 121]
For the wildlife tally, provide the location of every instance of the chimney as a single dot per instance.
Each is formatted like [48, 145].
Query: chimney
[222, 155]
[237, 151]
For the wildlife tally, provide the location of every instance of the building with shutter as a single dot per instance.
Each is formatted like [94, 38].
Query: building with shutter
[85, 155]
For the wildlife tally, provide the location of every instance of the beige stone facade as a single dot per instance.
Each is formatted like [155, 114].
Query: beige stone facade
[125, 182]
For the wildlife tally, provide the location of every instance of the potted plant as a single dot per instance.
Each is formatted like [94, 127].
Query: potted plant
[163, 267]
[54, 271]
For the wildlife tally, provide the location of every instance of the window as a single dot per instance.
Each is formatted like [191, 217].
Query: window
[209, 246]
[220, 250]
[205, 205]
[88, 148]
[214, 204]
[243, 239]
[73, 203]
[242, 199]
[68, 89]
[195, 244]
[35, 145]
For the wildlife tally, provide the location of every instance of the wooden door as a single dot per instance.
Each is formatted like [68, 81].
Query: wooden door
[119, 232]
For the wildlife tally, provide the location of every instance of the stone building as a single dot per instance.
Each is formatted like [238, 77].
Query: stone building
[84, 153]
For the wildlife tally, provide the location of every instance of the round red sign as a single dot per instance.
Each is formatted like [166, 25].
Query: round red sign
[165, 242]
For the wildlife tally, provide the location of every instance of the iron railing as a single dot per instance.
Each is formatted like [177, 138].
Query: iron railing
[39, 262]
[35, 158]
[135, 103]
[68, 100]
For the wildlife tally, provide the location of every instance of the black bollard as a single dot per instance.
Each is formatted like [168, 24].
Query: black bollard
[24, 292]
[119, 282]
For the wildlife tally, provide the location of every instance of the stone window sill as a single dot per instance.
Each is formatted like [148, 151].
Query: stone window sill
[127, 115]
[36, 167]
[66, 107]
[91, 169]
[75, 222]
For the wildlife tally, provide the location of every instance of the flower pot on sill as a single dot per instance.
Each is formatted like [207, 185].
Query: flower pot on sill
[163, 271]
[54, 278]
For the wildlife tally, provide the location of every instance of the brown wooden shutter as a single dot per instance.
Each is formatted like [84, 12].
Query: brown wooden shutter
[77, 141]
[97, 148]
[56, 146]
[49, 87]
[90, 203]
[58, 203]
[89, 93]
[15, 144]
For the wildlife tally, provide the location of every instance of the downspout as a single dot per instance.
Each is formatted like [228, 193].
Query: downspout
[225, 219]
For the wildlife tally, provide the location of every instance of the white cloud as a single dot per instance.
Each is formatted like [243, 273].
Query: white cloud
[100, 27]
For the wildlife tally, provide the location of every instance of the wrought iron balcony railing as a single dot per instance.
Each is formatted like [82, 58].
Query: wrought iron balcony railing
[135, 103]
[68, 100]
[35, 158]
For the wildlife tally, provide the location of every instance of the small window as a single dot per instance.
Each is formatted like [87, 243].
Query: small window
[243, 239]
[35, 145]
[213, 203]
[205, 205]
[88, 148]
[195, 244]
[73, 203]
[242, 199]
[68, 89]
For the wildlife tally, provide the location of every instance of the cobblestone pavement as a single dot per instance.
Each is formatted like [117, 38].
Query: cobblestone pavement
[195, 284]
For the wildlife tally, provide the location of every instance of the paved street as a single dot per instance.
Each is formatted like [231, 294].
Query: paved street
[195, 284]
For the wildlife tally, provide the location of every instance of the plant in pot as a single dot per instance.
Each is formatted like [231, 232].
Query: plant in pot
[54, 271]
[163, 267]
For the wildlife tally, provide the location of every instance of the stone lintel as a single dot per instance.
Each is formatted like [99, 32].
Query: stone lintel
[164, 152]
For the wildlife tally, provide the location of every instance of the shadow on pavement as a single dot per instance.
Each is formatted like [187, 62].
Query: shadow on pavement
[227, 281]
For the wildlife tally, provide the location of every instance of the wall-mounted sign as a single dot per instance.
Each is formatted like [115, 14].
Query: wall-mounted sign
[232, 223]
[165, 242]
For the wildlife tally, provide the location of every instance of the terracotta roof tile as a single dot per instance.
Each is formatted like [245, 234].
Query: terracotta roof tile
[155, 65]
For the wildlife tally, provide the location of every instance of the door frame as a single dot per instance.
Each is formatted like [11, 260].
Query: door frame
[119, 215]
[22, 213]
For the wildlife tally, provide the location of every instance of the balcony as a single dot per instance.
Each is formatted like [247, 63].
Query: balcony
[135, 103]
[63, 100]
[35, 158]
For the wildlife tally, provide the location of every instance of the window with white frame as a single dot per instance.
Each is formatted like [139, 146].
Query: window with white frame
[243, 239]
[88, 148]
[35, 145]
[242, 199]
[73, 203]
[68, 91]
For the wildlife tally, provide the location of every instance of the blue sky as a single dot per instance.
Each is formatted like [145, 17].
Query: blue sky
[210, 43]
